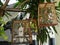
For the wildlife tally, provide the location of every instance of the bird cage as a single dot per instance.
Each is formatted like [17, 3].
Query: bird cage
[21, 33]
[46, 14]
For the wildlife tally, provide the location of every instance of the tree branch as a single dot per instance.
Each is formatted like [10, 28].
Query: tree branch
[22, 3]
[14, 10]
[6, 3]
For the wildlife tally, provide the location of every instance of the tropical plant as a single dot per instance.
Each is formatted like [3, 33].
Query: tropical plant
[2, 22]
[58, 11]
[33, 9]
[2, 32]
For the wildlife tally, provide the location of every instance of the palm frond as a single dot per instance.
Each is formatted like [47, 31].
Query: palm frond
[8, 13]
[54, 29]
[16, 4]
[59, 4]
[1, 3]
[6, 16]
[42, 34]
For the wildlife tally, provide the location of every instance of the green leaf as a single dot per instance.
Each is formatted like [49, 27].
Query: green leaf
[1, 21]
[42, 35]
[58, 9]
[59, 4]
[1, 28]
[2, 33]
[5, 37]
[16, 4]
[41, 1]
[58, 21]
[48, 0]
[32, 25]
[1, 3]
[8, 13]
[0, 18]
[54, 29]
[21, 0]
[49, 28]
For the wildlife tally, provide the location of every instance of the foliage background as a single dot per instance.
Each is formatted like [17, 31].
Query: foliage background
[32, 10]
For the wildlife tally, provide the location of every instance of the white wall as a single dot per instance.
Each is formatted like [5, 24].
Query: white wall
[58, 30]
[58, 35]
[14, 14]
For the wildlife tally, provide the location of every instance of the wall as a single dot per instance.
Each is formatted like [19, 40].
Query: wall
[58, 35]
[58, 30]
[57, 2]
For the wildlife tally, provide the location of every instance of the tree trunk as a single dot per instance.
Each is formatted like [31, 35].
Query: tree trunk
[2, 9]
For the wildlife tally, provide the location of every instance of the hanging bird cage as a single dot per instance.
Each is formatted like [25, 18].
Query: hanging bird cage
[21, 33]
[46, 14]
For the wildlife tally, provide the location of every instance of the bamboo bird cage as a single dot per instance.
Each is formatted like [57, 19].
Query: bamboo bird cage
[46, 14]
